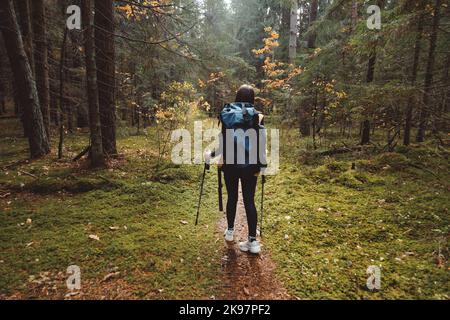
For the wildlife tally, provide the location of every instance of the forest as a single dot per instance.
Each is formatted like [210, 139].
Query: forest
[92, 90]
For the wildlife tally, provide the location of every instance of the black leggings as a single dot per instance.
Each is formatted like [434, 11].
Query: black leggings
[248, 182]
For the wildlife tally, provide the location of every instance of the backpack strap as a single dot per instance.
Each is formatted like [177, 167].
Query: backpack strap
[244, 109]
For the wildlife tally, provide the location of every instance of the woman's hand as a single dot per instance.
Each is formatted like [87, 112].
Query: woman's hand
[208, 156]
[262, 172]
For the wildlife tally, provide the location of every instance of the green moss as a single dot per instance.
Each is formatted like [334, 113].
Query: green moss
[341, 221]
[349, 180]
[136, 216]
[340, 218]
[394, 160]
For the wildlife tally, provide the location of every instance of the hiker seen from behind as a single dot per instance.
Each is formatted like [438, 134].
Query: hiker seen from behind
[242, 156]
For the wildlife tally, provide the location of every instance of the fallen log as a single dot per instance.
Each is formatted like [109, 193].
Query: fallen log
[82, 154]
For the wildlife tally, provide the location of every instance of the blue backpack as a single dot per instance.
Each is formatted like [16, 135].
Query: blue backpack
[241, 117]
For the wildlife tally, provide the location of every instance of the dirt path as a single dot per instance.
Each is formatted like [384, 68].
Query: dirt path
[245, 276]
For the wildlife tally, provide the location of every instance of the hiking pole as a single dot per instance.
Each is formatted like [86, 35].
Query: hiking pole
[263, 182]
[219, 175]
[201, 192]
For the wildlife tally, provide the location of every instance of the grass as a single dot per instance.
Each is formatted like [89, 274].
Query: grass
[326, 224]
[139, 216]
[327, 220]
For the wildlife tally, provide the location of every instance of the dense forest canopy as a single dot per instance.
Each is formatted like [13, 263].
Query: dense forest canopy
[317, 64]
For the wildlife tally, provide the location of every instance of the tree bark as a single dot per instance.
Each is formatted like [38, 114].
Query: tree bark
[53, 74]
[2, 79]
[22, 8]
[96, 152]
[26, 29]
[284, 32]
[2, 93]
[105, 58]
[410, 109]
[29, 99]
[354, 15]
[314, 8]
[41, 60]
[429, 74]
[61, 93]
[443, 123]
[293, 31]
[366, 125]
[68, 76]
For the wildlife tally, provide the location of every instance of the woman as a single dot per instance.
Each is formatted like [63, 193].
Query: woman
[248, 176]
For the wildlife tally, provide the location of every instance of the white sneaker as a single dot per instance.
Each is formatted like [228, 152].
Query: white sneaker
[252, 247]
[229, 235]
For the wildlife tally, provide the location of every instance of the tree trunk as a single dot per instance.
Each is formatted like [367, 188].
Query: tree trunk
[68, 101]
[61, 93]
[284, 32]
[365, 134]
[96, 152]
[2, 79]
[2, 95]
[354, 15]
[442, 123]
[105, 58]
[20, 65]
[314, 8]
[41, 60]
[366, 126]
[305, 125]
[409, 111]
[53, 74]
[429, 74]
[293, 32]
[24, 19]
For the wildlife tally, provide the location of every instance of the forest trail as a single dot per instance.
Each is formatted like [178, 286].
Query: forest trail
[246, 276]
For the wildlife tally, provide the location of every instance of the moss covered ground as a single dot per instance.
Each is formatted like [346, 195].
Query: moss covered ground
[131, 230]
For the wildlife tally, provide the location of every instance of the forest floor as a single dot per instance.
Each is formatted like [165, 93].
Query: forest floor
[246, 276]
[130, 227]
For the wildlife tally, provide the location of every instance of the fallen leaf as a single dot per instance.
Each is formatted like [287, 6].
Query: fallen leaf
[246, 291]
[94, 237]
[71, 294]
[110, 276]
